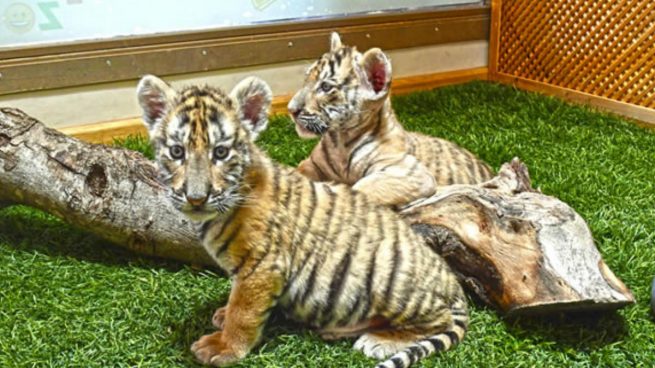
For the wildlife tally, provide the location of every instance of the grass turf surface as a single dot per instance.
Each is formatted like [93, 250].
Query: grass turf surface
[70, 299]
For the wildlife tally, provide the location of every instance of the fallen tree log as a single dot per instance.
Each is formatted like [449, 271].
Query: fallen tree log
[517, 249]
[111, 192]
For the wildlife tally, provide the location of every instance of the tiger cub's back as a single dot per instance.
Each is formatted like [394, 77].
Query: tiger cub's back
[448, 162]
[354, 268]
[352, 260]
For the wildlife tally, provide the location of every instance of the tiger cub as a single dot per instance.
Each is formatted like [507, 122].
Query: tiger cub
[345, 100]
[323, 254]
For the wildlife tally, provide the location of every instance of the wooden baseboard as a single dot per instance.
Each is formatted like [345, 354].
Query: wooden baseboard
[106, 132]
[406, 85]
[642, 116]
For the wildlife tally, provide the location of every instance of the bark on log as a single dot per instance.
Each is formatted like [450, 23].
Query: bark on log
[107, 191]
[517, 249]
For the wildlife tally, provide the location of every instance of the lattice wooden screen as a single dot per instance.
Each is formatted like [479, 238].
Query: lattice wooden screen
[598, 51]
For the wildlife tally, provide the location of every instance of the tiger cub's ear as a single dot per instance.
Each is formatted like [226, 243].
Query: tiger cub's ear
[375, 72]
[253, 97]
[335, 41]
[156, 98]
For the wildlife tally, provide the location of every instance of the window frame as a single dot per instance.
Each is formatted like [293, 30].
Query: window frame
[92, 62]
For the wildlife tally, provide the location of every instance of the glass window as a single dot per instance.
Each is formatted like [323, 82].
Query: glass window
[32, 22]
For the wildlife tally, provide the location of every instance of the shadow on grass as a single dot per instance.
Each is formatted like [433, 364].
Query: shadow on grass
[31, 230]
[584, 331]
[188, 331]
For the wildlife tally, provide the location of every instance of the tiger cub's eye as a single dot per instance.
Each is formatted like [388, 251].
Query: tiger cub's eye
[220, 152]
[325, 87]
[177, 152]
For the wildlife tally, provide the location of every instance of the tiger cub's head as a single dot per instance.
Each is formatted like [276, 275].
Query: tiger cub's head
[339, 86]
[203, 140]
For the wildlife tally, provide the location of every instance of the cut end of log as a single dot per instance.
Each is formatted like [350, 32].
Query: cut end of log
[614, 281]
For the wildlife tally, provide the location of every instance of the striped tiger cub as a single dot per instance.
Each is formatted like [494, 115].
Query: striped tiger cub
[323, 254]
[345, 101]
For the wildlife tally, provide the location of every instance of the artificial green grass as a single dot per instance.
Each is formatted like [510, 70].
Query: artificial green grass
[70, 299]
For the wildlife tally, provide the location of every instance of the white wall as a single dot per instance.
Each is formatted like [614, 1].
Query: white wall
[114, 101]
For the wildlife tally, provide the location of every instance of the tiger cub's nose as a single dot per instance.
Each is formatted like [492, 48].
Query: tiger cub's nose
[294, 107]
[196, 201]
[294, 112]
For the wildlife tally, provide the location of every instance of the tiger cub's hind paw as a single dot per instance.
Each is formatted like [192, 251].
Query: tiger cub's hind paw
[380, 346]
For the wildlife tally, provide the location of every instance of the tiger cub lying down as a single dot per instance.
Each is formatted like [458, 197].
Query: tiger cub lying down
[345, 100]
[325, 255]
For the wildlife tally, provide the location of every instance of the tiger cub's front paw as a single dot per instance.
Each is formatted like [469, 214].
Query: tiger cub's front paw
[219, 318]
[210, 349]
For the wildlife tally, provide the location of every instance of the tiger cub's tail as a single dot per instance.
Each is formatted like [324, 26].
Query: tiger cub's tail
[440, 342]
